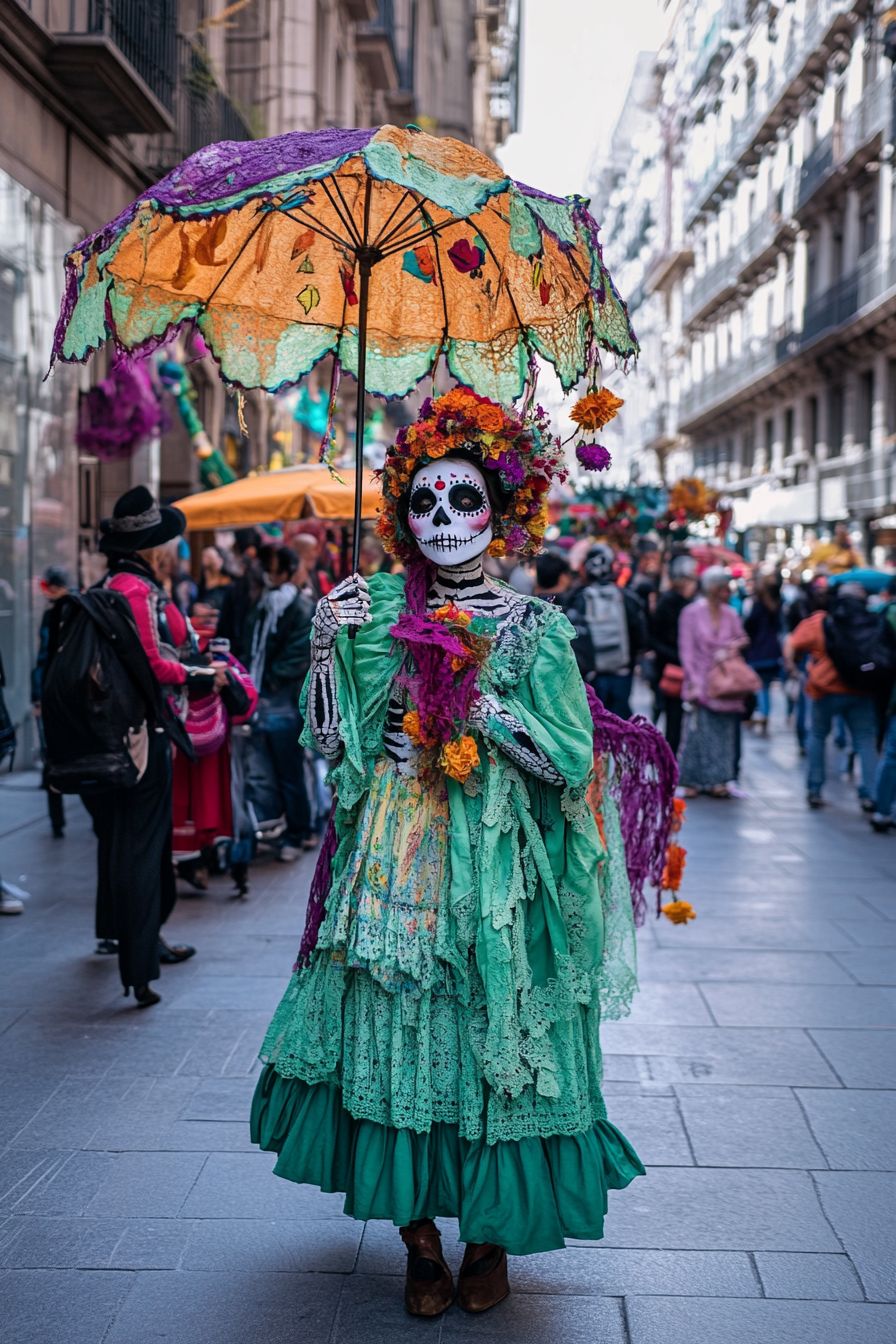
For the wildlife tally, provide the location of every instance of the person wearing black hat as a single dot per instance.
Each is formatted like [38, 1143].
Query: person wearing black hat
[135, 878]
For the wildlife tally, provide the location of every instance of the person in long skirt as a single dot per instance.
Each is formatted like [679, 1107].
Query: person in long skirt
[436, 1052]
[709, 629]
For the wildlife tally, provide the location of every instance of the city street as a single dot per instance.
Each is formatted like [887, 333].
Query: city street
[752, 1077]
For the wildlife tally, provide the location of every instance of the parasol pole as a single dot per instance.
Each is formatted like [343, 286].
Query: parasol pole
[366, 258]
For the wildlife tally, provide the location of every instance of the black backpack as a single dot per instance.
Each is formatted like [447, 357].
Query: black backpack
[859, 646]
[91, 699]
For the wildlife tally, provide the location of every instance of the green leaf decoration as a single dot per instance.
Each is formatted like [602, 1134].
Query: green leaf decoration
[307, 266]
[309, 298]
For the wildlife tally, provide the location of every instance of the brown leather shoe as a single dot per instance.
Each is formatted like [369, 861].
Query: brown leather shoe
[483, 1277]
[429, 1287]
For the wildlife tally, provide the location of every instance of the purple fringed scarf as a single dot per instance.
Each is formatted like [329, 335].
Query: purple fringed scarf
[317, 896]
[642, 787]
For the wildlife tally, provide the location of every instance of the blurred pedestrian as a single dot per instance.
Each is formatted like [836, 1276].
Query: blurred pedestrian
[837, 555]
[646, 576]
[663, 628]
[279, 641]
[135, 876]
[54, 585]
[214, 582]
[611, 630]
[241, 595]
[885, 782]
[553, 577]
[764, 626]
[831, 696]
[709, 634]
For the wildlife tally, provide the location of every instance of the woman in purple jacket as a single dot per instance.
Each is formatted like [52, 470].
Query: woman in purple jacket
[708, 631]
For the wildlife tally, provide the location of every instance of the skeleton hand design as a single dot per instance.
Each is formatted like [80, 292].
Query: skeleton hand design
[519, 745]
[347, 604]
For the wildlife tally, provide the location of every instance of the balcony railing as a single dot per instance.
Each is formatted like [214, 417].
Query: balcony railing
[377, 49]
[117, 59]
[759, 358]
[747, 131]
[203, 114]
[872, 277]
[870, 117]
[744, 261]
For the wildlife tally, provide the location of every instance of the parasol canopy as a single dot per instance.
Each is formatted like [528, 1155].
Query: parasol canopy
[264, 246]
[280, 496]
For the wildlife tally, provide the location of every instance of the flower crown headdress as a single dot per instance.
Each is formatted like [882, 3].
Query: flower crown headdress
[518, 448]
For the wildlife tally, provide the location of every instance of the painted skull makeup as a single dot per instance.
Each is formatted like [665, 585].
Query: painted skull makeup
[448, 511]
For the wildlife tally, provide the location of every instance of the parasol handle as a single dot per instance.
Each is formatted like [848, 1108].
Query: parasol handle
[365, 257]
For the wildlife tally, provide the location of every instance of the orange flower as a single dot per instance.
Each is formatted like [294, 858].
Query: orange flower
[459, 758]
[411, 725]
[679, 807]
[489, 418]
[497, 547]
[596, 410]
[674, 869]
[679, 911]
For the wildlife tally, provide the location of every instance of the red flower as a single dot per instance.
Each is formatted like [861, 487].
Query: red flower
[465, 257]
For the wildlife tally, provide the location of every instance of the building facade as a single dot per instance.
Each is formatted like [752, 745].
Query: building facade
[772, 280]
[98, 100]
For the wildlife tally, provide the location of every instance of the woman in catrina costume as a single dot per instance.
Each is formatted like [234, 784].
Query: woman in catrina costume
[436, 1053]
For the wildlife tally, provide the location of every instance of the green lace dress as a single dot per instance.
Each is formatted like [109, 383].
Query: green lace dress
[439, 1055]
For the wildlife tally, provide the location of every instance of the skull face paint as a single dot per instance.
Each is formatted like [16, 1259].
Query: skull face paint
[448, 512]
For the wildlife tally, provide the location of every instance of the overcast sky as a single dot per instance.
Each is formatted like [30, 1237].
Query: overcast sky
[577, 59]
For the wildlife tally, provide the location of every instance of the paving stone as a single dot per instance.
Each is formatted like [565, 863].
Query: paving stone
[806, 935]
[870, 966]
[603, 1272]
[695, 1054]
[869, 932]
[861, 1208]
[323, 1246]
[719, 1210]
[261, 993]
[143, 1118]
[799, 1006]
[812, 1277]
[150, 1185]
[220, 1099]
[855, 1129]
[21, 1097]
[241, 1185]
[87, 1304]
[653, 1126]
[860, 1058]
[228, 1308]
[367, 1299]
[679, 1005]
[671, 1320]
[676, 964]
[59, 1243]
[57, 1183]
[225, 1136]
[526, 1318]
[747, 1127]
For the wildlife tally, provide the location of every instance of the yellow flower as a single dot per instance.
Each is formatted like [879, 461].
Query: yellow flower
[459, 758]
[679, 911]
[596, 410]
[497, 547]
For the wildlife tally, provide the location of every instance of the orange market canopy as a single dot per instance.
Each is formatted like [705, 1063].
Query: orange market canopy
[281, 496]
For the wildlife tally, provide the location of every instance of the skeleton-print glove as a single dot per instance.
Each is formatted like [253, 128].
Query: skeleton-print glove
[347, 604]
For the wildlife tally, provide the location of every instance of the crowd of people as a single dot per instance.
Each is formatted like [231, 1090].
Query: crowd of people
[711, 646]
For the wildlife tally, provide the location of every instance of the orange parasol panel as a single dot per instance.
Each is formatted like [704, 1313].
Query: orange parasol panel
[280, 496]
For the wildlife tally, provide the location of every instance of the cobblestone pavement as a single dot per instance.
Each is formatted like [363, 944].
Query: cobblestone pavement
[752, 1078]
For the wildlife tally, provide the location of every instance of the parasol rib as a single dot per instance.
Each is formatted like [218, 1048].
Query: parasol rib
[344, 217]
[317, 227]
[395, 209]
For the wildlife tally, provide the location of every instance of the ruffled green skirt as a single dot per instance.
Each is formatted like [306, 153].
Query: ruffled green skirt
[526, 1195]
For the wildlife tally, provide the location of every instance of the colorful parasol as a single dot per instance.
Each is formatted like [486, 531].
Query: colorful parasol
[270, 249]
